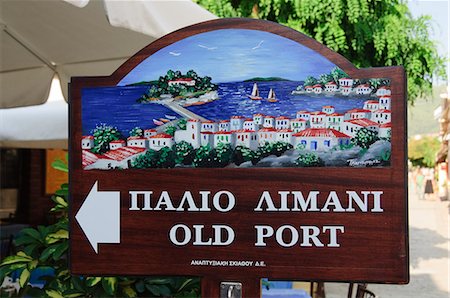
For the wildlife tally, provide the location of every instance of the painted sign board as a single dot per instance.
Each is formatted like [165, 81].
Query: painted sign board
[240, 149]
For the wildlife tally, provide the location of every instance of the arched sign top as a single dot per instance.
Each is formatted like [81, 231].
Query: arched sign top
[239, 149]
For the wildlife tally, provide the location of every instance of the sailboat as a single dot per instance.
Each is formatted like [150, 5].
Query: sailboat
[255, 93]
[271, 97]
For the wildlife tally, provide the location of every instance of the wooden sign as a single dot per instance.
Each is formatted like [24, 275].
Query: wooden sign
[235, 150]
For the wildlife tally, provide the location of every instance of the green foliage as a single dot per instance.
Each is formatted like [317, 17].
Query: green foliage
[184, 153]
[170, 130]
[182, 124]
[276, 148]
[368, 33]
[137, 132]
[202, 84]
[422, 152]
[310, 81]
[164, 158]
[309, 160]
[364, 138]
[204, 157]
[242, 154]
[223, 154]
[46, 248]
[103, 135]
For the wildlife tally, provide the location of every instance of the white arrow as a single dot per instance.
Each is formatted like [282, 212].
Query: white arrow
[99, 217]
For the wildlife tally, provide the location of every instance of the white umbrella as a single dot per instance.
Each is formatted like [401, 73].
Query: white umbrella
[41, 39]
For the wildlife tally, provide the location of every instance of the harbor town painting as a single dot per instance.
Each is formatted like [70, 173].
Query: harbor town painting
[237, 98]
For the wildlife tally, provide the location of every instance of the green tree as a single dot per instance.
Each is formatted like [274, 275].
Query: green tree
[223, 154]
[325, 78]
[364, 138]
[170, 130]
[310, 81]
[422, 151]
[184, 153]
[147, 160]
[103, 135]
[309, 160]
[182, 124]
[137, 132]
[368, 33]
[337, 74]
[166, 158]
[204, 157]
[242, 154]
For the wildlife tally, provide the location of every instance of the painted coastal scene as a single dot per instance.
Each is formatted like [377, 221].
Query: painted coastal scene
[228, 98]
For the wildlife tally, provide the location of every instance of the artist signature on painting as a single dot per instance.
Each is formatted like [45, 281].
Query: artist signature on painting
[355, 163]
[228, 263]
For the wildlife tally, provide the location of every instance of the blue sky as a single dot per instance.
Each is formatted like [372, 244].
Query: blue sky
[233, 55]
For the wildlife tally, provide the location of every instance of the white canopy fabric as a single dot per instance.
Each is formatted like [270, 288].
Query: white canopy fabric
[44, 38]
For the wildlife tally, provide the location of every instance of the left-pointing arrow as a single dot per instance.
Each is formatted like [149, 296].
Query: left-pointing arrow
[99, 217]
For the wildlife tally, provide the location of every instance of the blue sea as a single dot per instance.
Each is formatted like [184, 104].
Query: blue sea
[117, 106]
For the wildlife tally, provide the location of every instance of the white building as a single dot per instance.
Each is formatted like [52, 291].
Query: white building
[269, 122]
[249, 124]
[149, 132]
[381, 116]
[282, 122]
[345, 82]
[317, 119]
[258, 119]
[266, 135]
[284, 135]
[236, 123]
[350, 127]
[357, 114]
[334, 121]
[191, 134]
[161, 140]
[114, 145]
[383, 91]
[87, 142]
[371, 105]
[309, 89]
[385, 102]
[209, 125]
[317, 88]
[224, 125]
[328, 109]
[320, 139]
[247, 138]
[299, 124]
[303, 115]
[363, 89]
[224, 137]
[207, 138]
[346, 90]
[139, 142]
[385, 130]
[331, 87]
[182, 81]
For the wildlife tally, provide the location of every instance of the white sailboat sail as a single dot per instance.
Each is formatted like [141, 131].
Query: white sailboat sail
[255, 91]
[271, 94]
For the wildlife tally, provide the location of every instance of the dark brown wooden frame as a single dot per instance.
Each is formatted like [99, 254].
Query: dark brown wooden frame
[384, 259]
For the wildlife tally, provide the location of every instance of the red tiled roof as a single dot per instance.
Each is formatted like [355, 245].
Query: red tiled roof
[237, 117]
[224, 121]
[117, 142]
[136, 138]
[358, 111]
[258, 114]
[317, 86]
[317, 113]
[330, 83]
[283, 118]
[327, 107]
[382, 111]
[222, 133]
[267, 129]
[371, 101]
[298, 120]
[362, 122]
[385, 87]
[88, 137]
[244, 131]
[284, 130]
[88, 157]
[207, 132]
[161, 136]
[248, 120]
[386, 125]
[320, 132]
[182, 80]
[303, 112]
[122, 153]
[193, 120]
[270, 117]
[308, 86]
[336, 114]
[362, 85]
[345, 79]
[208, 121]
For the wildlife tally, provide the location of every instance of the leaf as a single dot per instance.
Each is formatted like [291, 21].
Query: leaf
[32, 265]
[140, 286]
[24, 277]
[60, 250]
[53, 294]
[16, 259]
[60, 165]
[32, 233]
[110, 285]
[47, 253]
[92, 281]
[129, 292]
